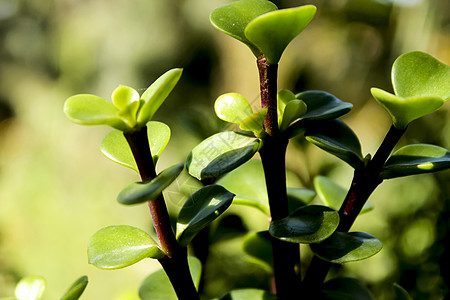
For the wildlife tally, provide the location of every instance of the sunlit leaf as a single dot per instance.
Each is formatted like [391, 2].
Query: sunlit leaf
[158, 287]
[220, 154]
[203, 207]
[309, 224]
[344, 288]
[139, 192]
[259, 247]
[273, 31]
[293, 111]
[123, 96]
[343, 247]
[31, 288]
[255, 122]
[246, 294]
[120, 246]
[76, 289]
[233, 108]
[322, 105]
[283, 98]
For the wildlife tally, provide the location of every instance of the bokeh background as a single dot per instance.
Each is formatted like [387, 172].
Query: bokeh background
[57, 189]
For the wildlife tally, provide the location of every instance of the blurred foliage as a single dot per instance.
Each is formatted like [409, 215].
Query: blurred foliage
[54, 192]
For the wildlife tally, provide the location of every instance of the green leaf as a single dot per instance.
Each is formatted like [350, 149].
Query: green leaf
[323, 106]
[158, 287]
[233, 108]
[293, 111]
[416, 159]
[116, 247]
[123, 96]
[401, 293]
[246, 294]
[92, 110]
[255, 122]
[344, 288]
[335, 137]
[343, 247]
[259, 247]
[31, 288]
[220, 154]
[203, 207]
[139, 192]
[283, 98]
[232, 19]
[309, 224]
[273, 31]
[301, 195]
[115, 147]
[333, 195]
[76, 289]
[157, 92]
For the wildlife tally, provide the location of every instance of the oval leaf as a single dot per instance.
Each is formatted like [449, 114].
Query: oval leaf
[309, 224]
[203, 207]
[273, 31]
[322, 105]
[246, 294]
[293, 111]
[343, 247]
[233, 18]
[220, 154]
[156, 93]
[158, 287]
[416, 159]
[233, 108]
[31, 288]
[335, 137]
[345, 288]
[120, 246]
[139, 192]
[123, 96]
[255, 122]
[76, 289]
[283, 98]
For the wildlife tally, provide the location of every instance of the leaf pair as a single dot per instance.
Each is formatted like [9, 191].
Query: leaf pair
[261, 26]
[128, 111]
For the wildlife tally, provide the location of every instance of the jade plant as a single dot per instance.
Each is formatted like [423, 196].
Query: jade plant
[223, 166]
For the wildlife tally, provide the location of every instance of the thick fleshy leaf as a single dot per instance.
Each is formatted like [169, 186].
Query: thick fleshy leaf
[405, 110]
[309, 224]
[343, 247]
[123, 96]
[335, 137]
[401, 293]
[31, 288]
[203, 207]
[115, 147]
[220, 154]
[233, 18]
[92, 110]
[416, 159]
[246, 294]
[116, 247]
[322, 105]
[293, 111]
[139, 192]
[333, 195]
[344, 288]
[76, 289]
[418, 74]
[158, 287]
[233, 108]
[255, 122]
[273, 31]
[259, 247]
[157, 92]
[283, 98]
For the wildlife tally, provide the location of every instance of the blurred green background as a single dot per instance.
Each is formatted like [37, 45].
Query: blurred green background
[57, 189]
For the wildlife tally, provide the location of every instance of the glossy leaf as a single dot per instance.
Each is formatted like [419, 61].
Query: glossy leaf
[220, 154]
[246, 294]
[293, 111]
[344, 288]
[283, 98]
[123, 96]
[255, 122]
[259, 247]
[233, 108]
[335, 137]
[116, 247]
[158, 287]
[139, 192]
[309, 224]
[31, 288]
[333, 195]
[416, 159]
[273, 31]
[343, 247]
[401, 293]
[156, 93]
[322, 105]
[76, 289]
[203, 207]
[115, 147]
[233, 18]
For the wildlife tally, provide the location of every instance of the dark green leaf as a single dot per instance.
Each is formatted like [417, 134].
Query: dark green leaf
[247, 294]
[401, 293]
[309, 224]
[343, 247]
[335, 137]
[220, 154]
[416, 159]
[258, 245]
[31, 288]
[158, 287]
[139, 192]
[76, 289]
[116, 247]
[322, 105]
[344, 288]
[203, 207]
